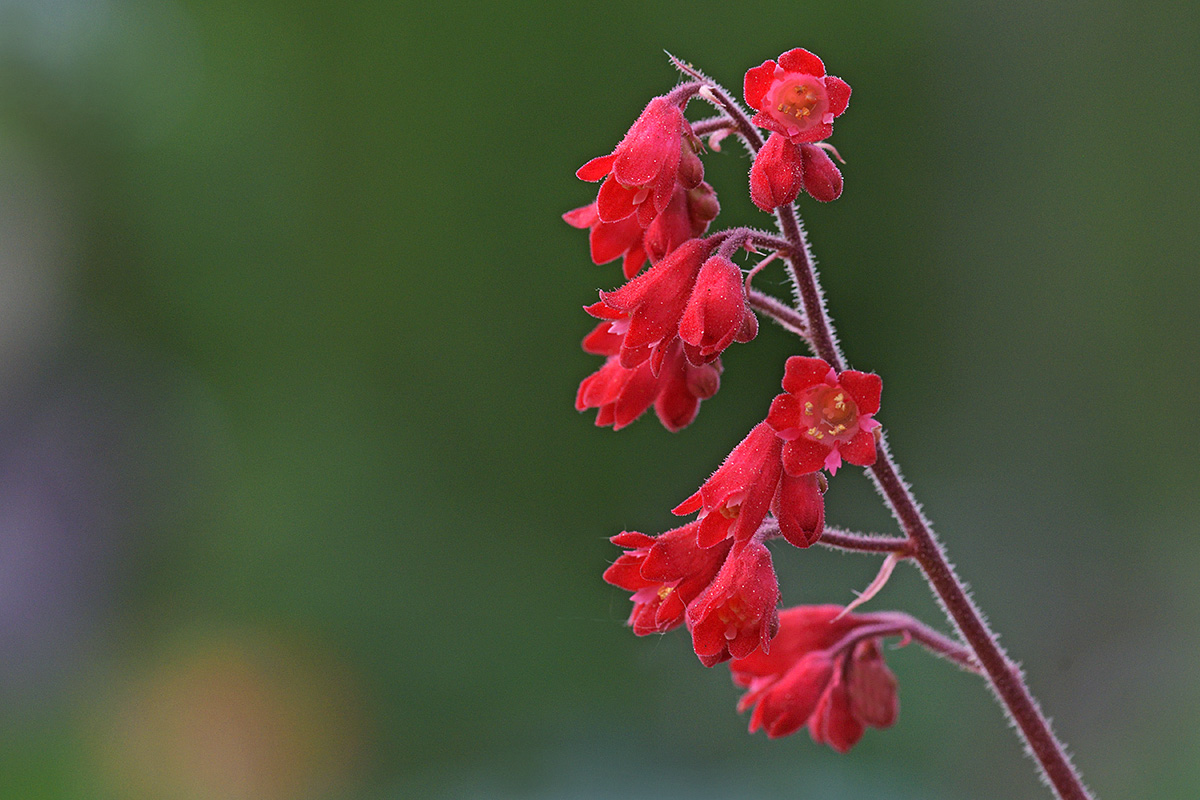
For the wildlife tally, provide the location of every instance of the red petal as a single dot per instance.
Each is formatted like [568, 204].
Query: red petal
[814, 134]
[582, 217]
[601, 342]
[614, 202]
[860, 450]
[792, 700]
[632, 539]
[602, 310]
[689, 506]
[801, 372]
[800, 60]
[784, 416]
[864, 387]
[611, 240]
[595, 169]
[758, 81]
[633, 262]
[838, 92]
[841, 728]
[802, 456]
[635, 398]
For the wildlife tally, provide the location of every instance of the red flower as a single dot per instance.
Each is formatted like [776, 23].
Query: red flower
[658, 152]
[610, 240]
[735, 500]
[623, 394]
[736, 615]
[795, 97]
[802, 680]
[825, 417]
[665, 573]
[649, 307]
[717, 314]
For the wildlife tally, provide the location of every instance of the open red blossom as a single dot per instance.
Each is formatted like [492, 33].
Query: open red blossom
[665, 573]
[737, 614]
[641, 174]
[795, 97]
[824, 417]
[717, 314]
[735, 500]
[622, 394]
[802, 680]
[610, 240]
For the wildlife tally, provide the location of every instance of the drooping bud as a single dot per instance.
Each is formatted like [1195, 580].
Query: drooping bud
[777, 175]
[822, 178]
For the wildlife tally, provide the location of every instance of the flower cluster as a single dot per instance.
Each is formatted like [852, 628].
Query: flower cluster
[797, 102]
[818, 673]
[653, 196]
[662, 335]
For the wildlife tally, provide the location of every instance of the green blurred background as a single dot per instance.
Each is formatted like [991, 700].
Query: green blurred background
[293, 499]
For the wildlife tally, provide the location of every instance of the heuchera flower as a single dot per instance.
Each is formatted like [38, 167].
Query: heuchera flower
[737, 614]
[795, 97]
[650, 310]
[665, 573]
[622, 394]
[727, 594]
[735, 500]
[717, 314]
[801, 681]
[824, 417]
[640, 175]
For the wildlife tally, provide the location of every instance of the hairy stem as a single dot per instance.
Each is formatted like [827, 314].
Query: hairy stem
[1003, 675]
[897, 624]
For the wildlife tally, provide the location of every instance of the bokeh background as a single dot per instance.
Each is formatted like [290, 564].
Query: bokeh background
[293, 499]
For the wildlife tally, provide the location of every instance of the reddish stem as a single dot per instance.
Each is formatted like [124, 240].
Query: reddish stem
[1003, 675]
[897, 624]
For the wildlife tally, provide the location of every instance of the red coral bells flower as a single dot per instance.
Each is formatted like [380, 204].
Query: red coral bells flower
[658, 152]
[795, 97]
[623, 394]
[735, 500]
[611, 240]
[803, 679]
[665, 573]
[825, 417]
[736, 615]
[650, 306]
[717, 313]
